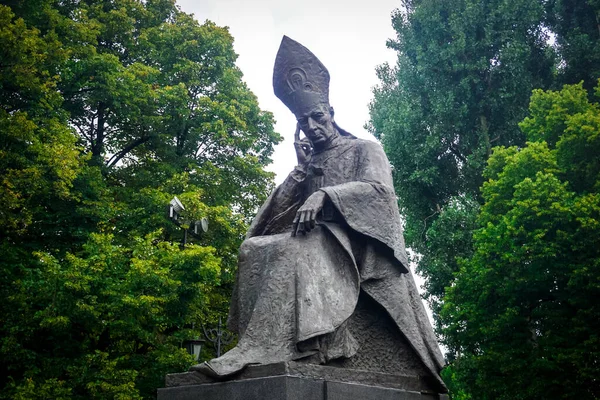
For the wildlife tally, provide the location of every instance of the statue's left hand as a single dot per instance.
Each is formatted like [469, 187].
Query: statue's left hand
[306, 216]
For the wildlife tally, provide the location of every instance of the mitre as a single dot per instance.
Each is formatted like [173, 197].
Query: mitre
[300, 80]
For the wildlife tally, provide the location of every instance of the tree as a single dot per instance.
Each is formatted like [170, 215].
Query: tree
[521, 316]
[157, 89]
[462, 82]
[577, 35]
[108, 110]
[461, 85]
[39, 159]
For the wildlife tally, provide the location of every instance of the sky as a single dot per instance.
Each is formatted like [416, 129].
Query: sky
[349, 37]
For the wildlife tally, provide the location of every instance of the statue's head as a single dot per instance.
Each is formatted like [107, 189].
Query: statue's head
[318, 124]
[301, 81]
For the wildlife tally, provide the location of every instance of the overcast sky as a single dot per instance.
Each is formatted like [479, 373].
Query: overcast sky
[348, 37]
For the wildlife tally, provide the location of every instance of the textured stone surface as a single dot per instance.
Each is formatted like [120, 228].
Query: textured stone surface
[347, 391]
[271, 388]
[290, 388]
[311, 371]
[382, 348]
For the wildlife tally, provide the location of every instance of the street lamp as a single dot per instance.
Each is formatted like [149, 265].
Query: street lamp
[196, 228]
[194, 347]
[175, 209]
[201, 225]
[219, 337]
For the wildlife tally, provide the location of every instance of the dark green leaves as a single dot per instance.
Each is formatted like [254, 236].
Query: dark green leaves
[522, 309]
[463, 79]
[107, 111]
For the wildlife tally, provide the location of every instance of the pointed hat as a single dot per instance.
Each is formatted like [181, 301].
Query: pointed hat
[300, 80]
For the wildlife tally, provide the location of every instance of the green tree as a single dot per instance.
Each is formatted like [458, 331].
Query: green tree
[108, 110]
[38, 157]
[462, 82]
[155, 93]
[522, 316]
[577, 37]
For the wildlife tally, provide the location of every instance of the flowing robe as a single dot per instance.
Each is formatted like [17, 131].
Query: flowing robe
[293, 295]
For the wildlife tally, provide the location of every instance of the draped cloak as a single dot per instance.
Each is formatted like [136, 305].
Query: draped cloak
[291, 291]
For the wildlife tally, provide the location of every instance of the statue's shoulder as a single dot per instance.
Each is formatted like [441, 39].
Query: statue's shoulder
[368, 146]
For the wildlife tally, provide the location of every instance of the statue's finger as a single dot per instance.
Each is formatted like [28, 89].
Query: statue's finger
[307, 217]
[297, 227]
[295, 223]
[313, 219]
[297, 133]
[301, 223]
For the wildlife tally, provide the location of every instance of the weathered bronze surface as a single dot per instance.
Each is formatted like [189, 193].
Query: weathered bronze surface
[323, 273]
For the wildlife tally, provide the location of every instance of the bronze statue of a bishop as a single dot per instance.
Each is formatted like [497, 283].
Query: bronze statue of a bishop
[323, 274]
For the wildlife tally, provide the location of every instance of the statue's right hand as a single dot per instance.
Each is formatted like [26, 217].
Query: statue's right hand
[306, 217]
[303, 148]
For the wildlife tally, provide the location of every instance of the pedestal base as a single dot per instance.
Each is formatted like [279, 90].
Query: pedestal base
[295, 381]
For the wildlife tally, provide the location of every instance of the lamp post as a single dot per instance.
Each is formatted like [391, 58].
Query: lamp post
[175, 211]
[194, 347]
[218, 337]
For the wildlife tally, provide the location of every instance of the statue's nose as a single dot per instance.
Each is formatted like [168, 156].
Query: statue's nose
[311, 123]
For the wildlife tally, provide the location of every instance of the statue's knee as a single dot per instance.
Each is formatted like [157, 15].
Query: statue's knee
[245, 248]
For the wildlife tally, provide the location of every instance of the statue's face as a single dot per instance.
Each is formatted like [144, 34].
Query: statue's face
[317, 125]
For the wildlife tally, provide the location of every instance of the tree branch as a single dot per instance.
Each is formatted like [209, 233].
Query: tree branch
[457, 153]
[98, 147]
[117, 157]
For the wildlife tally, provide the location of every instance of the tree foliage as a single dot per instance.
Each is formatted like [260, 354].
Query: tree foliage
[462, 82]
[577, 36]
[108, 110]
[461, 86]
[521, 316]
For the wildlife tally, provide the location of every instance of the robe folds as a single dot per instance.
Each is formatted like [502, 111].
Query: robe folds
[294, 294]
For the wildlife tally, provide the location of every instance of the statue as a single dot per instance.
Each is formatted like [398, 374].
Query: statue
[325, 243]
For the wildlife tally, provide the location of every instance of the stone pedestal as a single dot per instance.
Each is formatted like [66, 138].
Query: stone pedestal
[297, 381]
